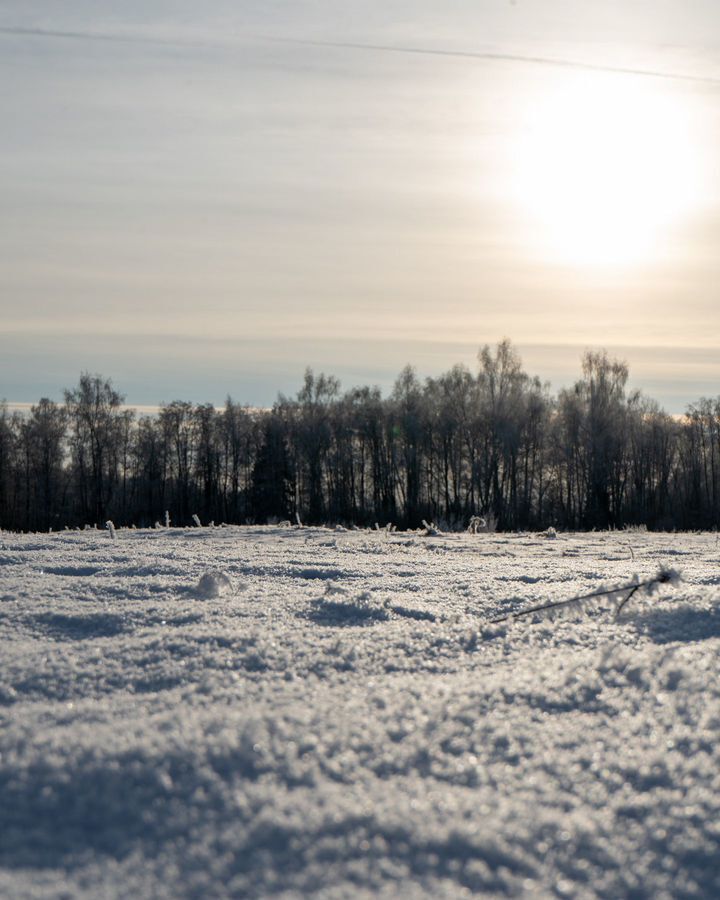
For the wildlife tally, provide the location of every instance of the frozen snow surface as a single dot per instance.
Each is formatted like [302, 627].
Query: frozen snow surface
[288, 712]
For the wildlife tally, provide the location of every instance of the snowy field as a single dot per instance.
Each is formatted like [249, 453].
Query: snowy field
[284, 712]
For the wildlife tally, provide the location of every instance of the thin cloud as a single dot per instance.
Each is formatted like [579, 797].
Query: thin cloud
[503, 57]
[492, 56]
[97, 36]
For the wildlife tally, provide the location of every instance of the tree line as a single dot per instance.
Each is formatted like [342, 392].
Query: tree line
[493, 443]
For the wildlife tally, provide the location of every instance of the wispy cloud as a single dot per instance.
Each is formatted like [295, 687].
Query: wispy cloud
[503, 57]
[487, 55]
[98, 36]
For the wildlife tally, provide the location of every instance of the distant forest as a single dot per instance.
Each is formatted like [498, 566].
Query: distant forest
[495, 443]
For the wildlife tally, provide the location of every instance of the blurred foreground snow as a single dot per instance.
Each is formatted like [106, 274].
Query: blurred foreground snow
[256, 712]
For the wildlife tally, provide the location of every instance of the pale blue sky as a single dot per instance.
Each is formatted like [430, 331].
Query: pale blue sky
[195, 210]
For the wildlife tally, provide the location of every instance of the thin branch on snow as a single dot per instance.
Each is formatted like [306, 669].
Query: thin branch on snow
[664, 576]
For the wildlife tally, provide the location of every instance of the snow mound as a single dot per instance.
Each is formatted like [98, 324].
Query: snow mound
[339, 607]
[212, 584]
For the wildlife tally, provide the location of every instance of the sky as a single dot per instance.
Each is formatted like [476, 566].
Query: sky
[204, 199]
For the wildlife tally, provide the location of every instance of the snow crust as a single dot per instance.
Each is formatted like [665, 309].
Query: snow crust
[278, 712]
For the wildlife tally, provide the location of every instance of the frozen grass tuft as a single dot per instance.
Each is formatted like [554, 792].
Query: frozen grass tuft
[431, 530]
[584, 601]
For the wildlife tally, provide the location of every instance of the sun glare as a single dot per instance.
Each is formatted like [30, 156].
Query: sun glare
[604, 169]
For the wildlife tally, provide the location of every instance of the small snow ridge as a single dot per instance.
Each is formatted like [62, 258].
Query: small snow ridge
[320, 573]
[335, 589]
[361, 609]
[72, 571]
[212, 584]
[525, 579]
[408, 612]
[683, 623]
[62, 626]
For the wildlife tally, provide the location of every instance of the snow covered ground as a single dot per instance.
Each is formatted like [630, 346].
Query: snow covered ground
[255, 712]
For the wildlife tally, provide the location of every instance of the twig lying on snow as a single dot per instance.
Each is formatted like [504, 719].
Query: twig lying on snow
[664, 576]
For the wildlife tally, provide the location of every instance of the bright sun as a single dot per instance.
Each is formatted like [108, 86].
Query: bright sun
[604, 169]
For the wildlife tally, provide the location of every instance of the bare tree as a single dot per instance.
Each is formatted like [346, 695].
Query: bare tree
[93, 408]
[42, 440]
